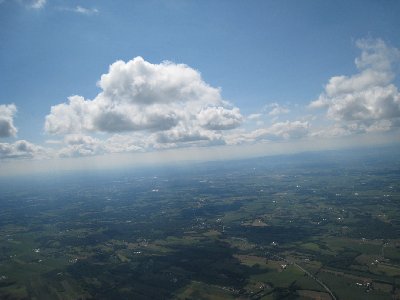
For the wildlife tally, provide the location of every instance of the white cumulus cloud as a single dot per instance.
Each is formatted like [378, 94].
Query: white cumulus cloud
[277, 131]
[7, 128]
[74, 145]
[275, 109]
[220, 118]
[21, 149]
[368, 100]
[169, 99]
[81, 145]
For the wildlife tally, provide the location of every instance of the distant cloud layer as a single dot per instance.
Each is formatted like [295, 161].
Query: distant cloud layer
[7, 128]
[277, 131]
[168, 100]
[368, 100]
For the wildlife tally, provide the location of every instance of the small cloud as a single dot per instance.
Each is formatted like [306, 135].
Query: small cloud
[21, 149]
[7, 128]
[288, 130]
[81, 145]
[86, 11]
[254, 116]
[220, 118]
[81, 10]
[275, 109]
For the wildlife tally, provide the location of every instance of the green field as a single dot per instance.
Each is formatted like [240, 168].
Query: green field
[250, 230]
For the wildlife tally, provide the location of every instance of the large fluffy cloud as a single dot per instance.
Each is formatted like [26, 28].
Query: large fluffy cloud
[7, 127]
[367, 100]
[167, 99]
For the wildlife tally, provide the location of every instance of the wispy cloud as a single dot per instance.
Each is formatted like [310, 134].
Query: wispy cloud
[86, 11]
[275, 109]
[35, 4]
[81, 10]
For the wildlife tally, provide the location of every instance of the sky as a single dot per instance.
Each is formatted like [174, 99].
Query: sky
[106, 83]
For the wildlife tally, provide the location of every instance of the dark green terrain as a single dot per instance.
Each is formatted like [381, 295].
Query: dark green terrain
[309, 226]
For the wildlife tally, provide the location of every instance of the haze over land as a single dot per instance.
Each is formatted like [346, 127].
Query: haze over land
[98, 84]
[306, 226]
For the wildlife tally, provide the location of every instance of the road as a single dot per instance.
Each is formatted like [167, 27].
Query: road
[309, 274]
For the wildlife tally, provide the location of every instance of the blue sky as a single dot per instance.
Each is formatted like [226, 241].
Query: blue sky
[269, 59]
